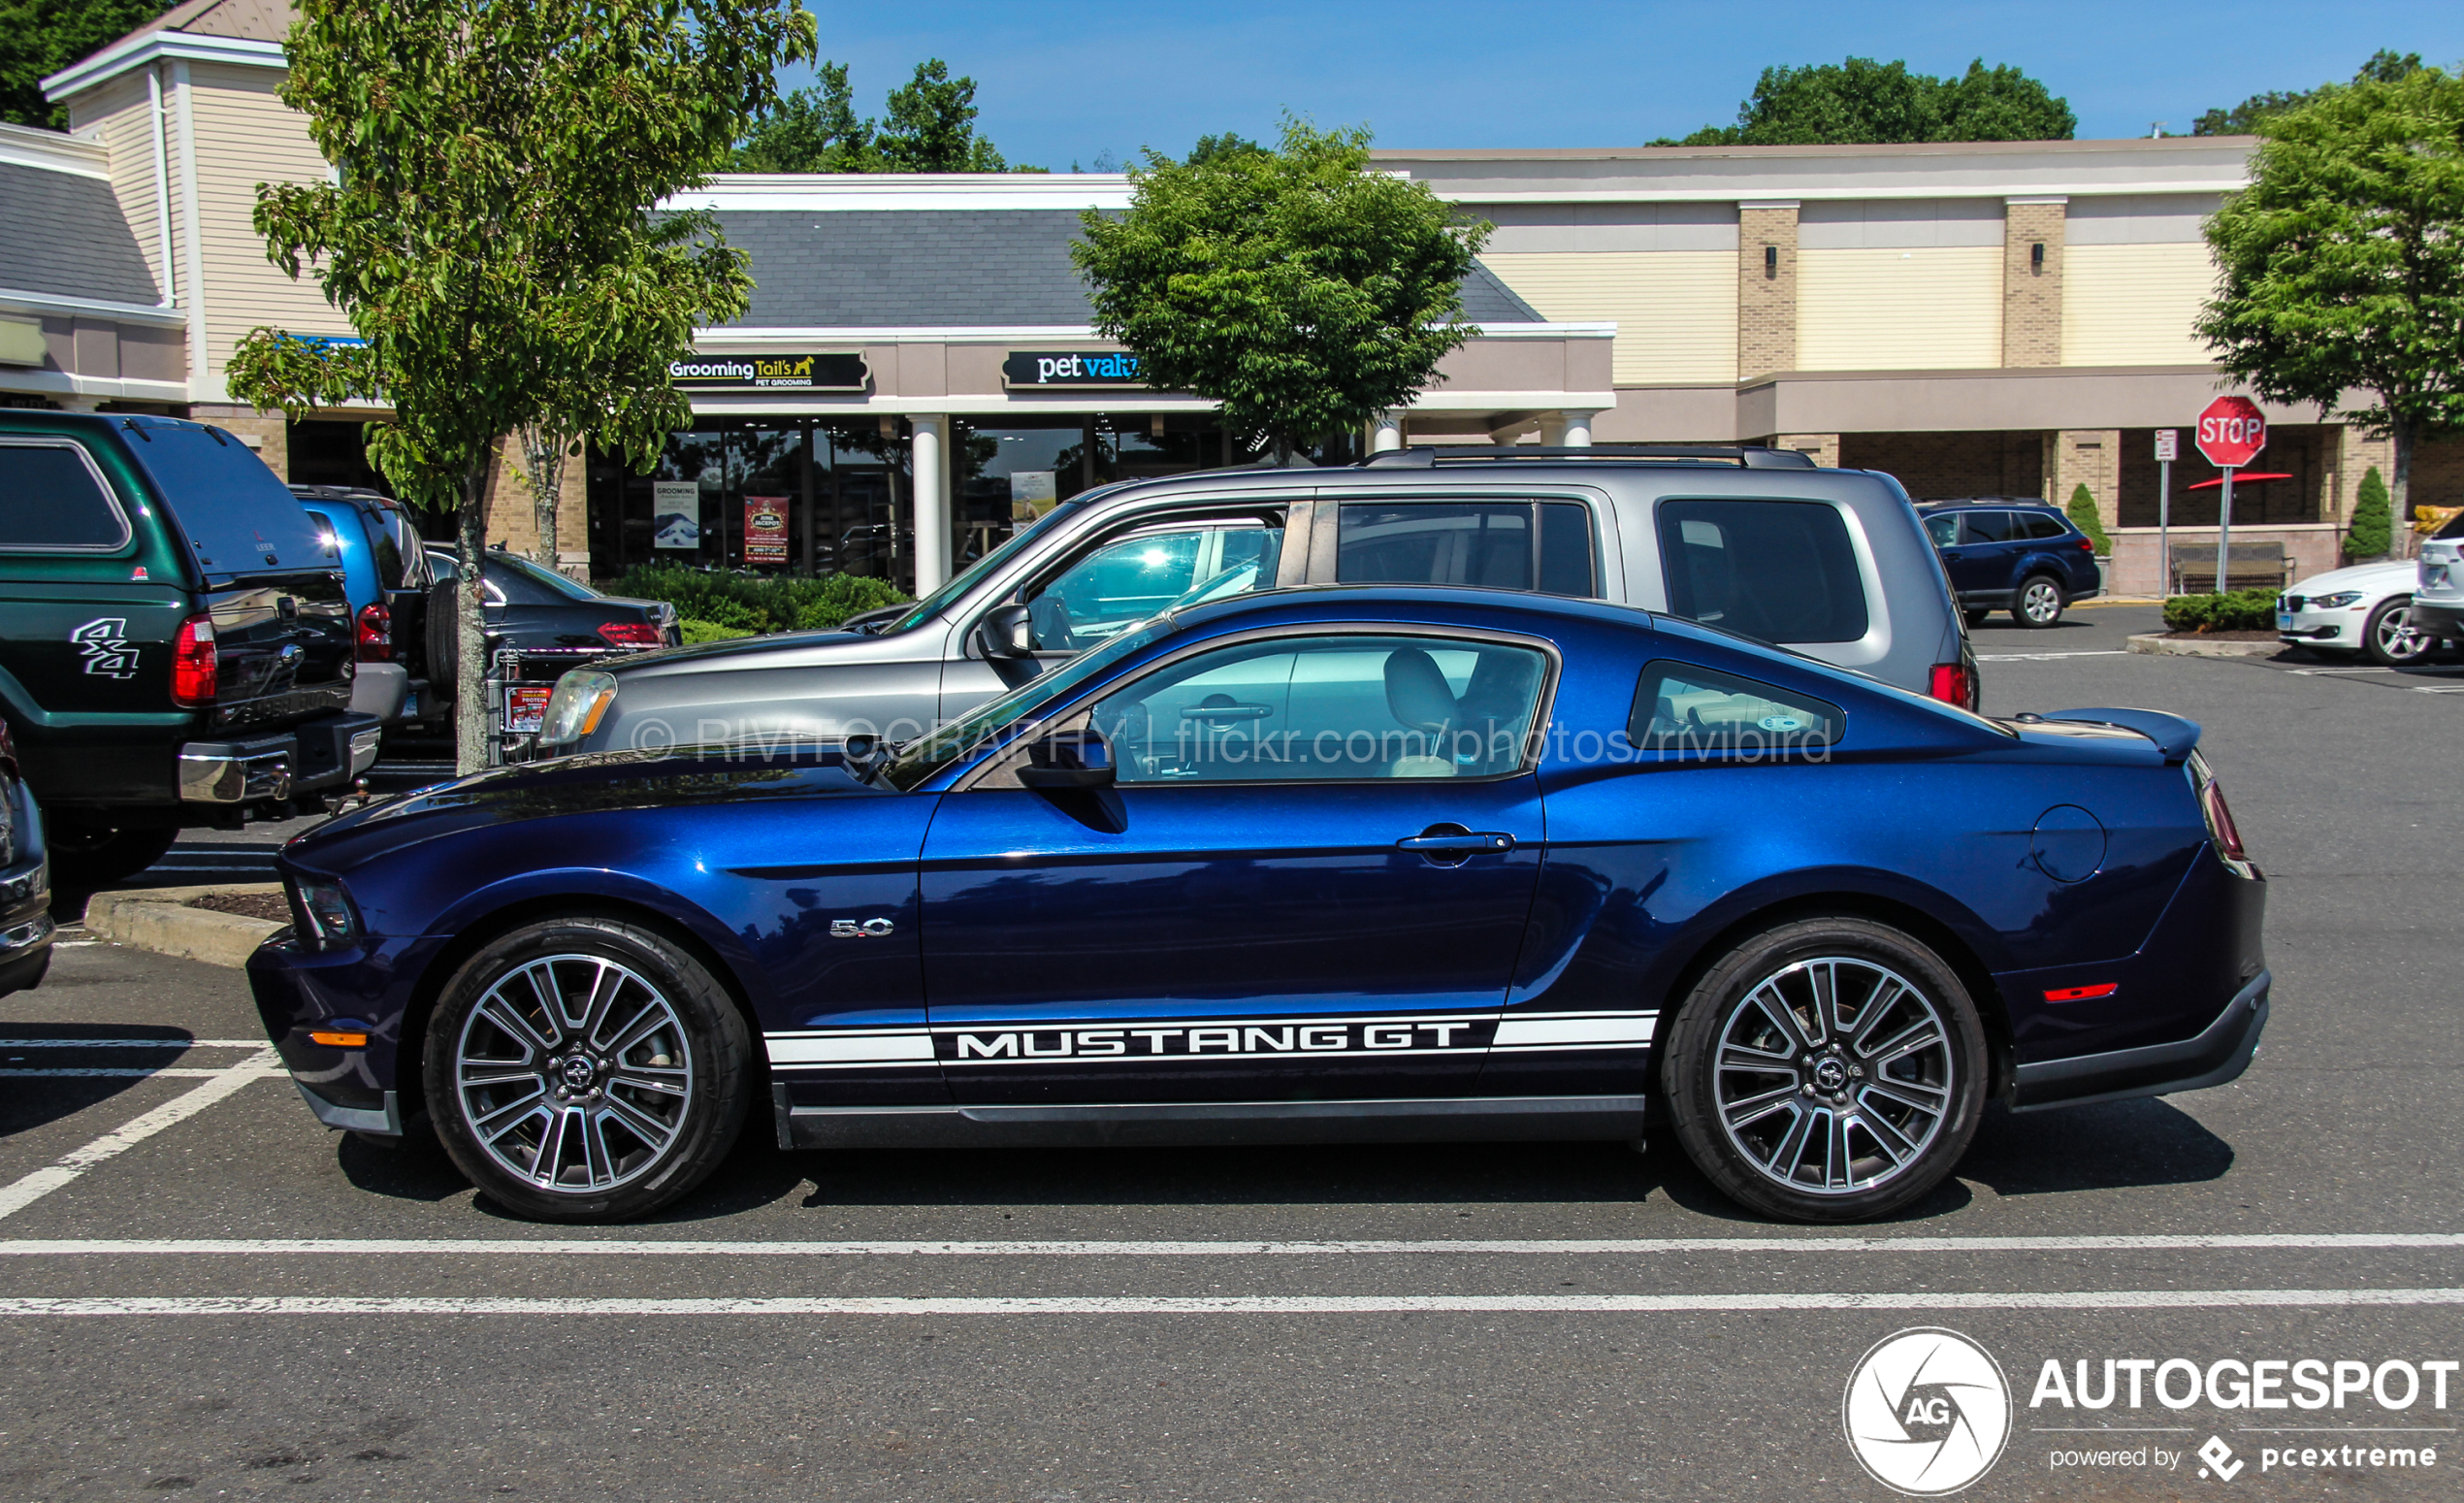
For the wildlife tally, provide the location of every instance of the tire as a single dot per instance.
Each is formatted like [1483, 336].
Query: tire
[2388, 637]
[444, 643]
[623, 1130]
[2040, 602]
[1975, 617]
[84, 855]
[1885, 1142]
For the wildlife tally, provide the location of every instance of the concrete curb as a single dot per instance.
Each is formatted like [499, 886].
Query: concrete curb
[2194, 647]
[153, 919]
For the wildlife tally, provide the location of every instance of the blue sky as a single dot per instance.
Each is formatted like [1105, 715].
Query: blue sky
[1067, 79]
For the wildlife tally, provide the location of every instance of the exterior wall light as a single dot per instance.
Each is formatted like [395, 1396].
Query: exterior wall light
[1770, 260]
[2037, 257]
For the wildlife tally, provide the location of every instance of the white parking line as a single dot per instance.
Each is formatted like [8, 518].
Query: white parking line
[2048, 657]
[126, 1071]
[42, 1182]
[577, 1246]
[2438, 689]
[2330, 673]
[1239, 1304]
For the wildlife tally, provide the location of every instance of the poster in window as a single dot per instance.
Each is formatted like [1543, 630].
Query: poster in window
[1031, 494]
[675, 514]
[766, 528]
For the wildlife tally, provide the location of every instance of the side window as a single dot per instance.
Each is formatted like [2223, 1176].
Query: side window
[387, 548]
[2039, 525]
[1991, 527]
[1780, 570]
[52, 501]
[1329, 708]
[1494, 545]
[1679, 708]
[1944, 530]
[1131, 578]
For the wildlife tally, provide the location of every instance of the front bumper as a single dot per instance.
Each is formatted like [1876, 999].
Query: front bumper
[26, 901]
[363, 988]
[2433, 619]
[324, 753]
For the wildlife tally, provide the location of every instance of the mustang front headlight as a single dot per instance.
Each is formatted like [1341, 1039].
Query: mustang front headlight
[575, 707]
[2336, 602]
[324, 911]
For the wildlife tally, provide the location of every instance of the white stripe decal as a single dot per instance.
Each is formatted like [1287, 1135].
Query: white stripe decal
[866, 1048]
[33, 1187]
[1522, 1033]
[1236, 1304]
[636, 1247]
[131, 1043]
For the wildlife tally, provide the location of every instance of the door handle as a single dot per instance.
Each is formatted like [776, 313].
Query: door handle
[1458, 839]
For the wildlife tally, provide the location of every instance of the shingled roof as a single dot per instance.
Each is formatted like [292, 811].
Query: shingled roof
[941, 269]
[64, 237]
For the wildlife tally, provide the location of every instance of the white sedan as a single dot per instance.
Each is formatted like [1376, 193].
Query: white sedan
[2367, 607]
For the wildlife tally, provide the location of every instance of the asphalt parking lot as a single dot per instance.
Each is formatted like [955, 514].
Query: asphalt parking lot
[202, 1291]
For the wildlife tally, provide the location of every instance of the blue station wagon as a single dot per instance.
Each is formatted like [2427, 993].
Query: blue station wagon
[2020, 556]
[1330, 863]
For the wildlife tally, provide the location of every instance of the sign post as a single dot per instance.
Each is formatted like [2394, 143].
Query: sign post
[2168, 445]
[2230, 433]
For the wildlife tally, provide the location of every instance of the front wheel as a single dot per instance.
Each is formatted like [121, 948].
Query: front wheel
[586, 1069]
[2389, 638]
[1829, 1069]
[2040, 602]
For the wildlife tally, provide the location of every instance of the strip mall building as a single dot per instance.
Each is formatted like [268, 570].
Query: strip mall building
[2004, 319]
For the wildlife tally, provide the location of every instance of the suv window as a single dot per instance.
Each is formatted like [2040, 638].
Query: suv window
[1944, 528]
[53, 499]
[1131, 578]
[1991, 527]
[238, 518]
[1545, 546]
[1328, 707]
[2040, 524]
[1679, 708]
[1778, 571]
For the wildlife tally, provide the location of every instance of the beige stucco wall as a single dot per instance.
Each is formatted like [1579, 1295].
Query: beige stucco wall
[1870, 308]
[1675, 311]
[2132, 305]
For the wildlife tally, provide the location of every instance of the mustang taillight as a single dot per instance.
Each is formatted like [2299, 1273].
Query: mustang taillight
[631, 634]
[375, 638]
[1953, 683]
[194, 666]
[2219, 822]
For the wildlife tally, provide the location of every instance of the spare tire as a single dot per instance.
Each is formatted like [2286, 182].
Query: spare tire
[444, 641]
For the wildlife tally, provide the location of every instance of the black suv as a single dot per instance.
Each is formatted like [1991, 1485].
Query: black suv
[175, 645]
[2009, 554]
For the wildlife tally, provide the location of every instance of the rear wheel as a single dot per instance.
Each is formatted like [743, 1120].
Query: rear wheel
[1831, 1069]
[2040, 602]
[585, 1070]
[2388, 636]
[98, 854]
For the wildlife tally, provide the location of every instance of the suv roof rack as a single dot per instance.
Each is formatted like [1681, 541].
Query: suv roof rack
[1746, 456]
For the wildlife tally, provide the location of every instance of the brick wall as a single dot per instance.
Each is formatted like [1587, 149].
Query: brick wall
[514, 520]
[2031, 294]
[2093, 457]
[1952, 466]
[267, 433]
[1765, 292]
[1824, 448]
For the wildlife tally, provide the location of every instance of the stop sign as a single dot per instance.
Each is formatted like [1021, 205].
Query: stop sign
[2231, 432]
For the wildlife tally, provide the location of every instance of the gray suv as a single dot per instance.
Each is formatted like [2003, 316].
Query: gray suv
[1830, 563]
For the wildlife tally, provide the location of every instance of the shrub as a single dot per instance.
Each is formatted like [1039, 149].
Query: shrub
[2083, 515]
[2242, 611]
[2372, 530]
[745, 604]
[699, 632]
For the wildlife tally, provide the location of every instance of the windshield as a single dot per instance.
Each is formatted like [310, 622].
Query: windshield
[2455, 527]
[237, 516]
[964, 580]
[925, 756]
[547, 578]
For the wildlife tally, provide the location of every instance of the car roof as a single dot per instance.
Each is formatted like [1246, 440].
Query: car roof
[1995, 502]
[1515, 604]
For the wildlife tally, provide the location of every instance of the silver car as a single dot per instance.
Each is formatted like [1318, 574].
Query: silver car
[1830, 563]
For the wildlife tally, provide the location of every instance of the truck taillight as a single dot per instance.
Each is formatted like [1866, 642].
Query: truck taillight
[631, 634]
[1953, 683]
[194, 666]
[376, 641]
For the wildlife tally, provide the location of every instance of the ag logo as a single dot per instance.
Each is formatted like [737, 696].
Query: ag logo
[105, 645]
[1927, 1412]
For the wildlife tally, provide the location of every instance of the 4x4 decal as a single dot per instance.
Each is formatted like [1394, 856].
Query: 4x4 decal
[105, 643]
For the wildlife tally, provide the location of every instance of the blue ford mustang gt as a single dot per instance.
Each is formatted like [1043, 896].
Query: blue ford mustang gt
[1302, 865]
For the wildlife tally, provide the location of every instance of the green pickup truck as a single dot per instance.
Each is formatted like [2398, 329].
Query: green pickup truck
[176, 646]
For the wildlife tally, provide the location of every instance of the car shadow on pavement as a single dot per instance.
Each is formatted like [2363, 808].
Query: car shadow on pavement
[28, 1102]
[2113, 1145]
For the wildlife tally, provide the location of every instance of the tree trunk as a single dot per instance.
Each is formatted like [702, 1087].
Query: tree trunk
[543, 458]
[473, 725]
[2400, 487]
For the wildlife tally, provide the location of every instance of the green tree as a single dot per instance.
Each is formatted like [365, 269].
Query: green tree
[2342, 262]
[1214, 148]
[2371, 532]
[2384, 67]
[2082, 511]
[490, 232]
[1861, 102]
[929, 127]
[1304, 292]
[38, 38]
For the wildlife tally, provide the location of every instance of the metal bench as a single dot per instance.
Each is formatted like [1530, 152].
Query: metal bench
[2248, 566]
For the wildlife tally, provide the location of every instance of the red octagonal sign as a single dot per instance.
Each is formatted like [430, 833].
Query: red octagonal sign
[2231, 432]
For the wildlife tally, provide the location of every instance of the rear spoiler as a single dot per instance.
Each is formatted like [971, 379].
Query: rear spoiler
[2174, 735]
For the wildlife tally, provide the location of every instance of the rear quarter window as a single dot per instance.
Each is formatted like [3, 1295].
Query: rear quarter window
[1680, 707]
[1779, 571]
[2039, 525]
[53, 501]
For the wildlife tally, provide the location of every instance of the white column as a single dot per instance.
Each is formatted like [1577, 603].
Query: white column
[1578, 429]
[1385, 432]
[930, 483]
[1552, 430]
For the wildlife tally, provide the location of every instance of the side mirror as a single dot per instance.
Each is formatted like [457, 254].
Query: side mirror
[1069, 759]
[1008, 632]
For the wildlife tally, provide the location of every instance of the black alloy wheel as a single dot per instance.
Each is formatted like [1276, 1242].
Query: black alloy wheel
[587, 1069]
[1831, 1069]
[2040, 602]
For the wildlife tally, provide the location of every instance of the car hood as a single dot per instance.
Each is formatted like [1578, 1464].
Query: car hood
[739, 652]
[2386, 578]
